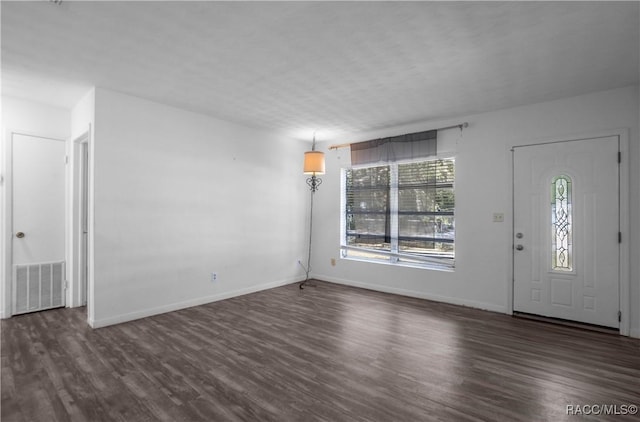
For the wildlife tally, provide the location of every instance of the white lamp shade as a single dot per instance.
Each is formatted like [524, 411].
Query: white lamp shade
[314, 162]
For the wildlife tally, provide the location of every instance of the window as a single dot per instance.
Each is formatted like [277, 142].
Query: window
[400, 213]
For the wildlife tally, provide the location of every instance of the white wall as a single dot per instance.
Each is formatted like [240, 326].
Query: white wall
[483, 186]
[23, 116]
[178, 196]
[83, 114]
[35, 118]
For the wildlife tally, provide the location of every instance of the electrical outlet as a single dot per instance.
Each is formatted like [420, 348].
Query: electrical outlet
[498, 217]
[214, 277]
[333, 262]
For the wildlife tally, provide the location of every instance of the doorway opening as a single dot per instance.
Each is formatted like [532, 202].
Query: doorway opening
[79, 221]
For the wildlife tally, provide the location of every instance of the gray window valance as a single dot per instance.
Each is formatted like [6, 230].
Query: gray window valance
[395, 148]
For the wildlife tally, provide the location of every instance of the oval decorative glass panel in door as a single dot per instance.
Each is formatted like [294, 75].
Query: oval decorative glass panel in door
[561, 224]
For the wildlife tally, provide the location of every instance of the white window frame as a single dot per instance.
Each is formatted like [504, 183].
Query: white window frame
[392, 257]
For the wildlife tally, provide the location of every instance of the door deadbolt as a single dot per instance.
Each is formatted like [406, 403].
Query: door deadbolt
[519, 247]
[19, 235]
[519, 235]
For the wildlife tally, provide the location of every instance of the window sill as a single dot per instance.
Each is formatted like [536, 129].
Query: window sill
[426, 266]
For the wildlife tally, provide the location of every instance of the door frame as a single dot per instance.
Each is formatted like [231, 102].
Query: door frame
[75, 295]
[623, 197]
[76, 258]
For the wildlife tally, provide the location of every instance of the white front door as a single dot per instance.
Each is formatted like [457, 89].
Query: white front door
[38, 224]
[566, 230]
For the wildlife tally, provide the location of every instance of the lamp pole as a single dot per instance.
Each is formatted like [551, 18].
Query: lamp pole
[313, 163]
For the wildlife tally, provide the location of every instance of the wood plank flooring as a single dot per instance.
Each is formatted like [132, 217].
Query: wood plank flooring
[325, 353]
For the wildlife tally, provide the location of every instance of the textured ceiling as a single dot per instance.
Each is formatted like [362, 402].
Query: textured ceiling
[335, 67]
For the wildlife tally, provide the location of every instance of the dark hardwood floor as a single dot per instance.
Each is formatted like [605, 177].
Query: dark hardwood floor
[325, 353]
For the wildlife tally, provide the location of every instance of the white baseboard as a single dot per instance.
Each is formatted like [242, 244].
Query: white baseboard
[412, 293]
[118, 319]
[634, 333]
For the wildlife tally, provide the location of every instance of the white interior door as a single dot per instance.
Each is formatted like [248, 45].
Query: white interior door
[566, 230]
[38, 224]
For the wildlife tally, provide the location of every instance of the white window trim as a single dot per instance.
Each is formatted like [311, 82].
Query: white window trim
[395, 258]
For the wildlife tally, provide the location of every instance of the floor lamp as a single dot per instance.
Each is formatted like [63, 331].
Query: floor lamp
[313, 164]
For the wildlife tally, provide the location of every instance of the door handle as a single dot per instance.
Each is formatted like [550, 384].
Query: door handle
[519, 247]
[19, 235]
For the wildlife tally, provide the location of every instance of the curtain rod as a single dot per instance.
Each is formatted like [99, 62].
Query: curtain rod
[460, 126]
